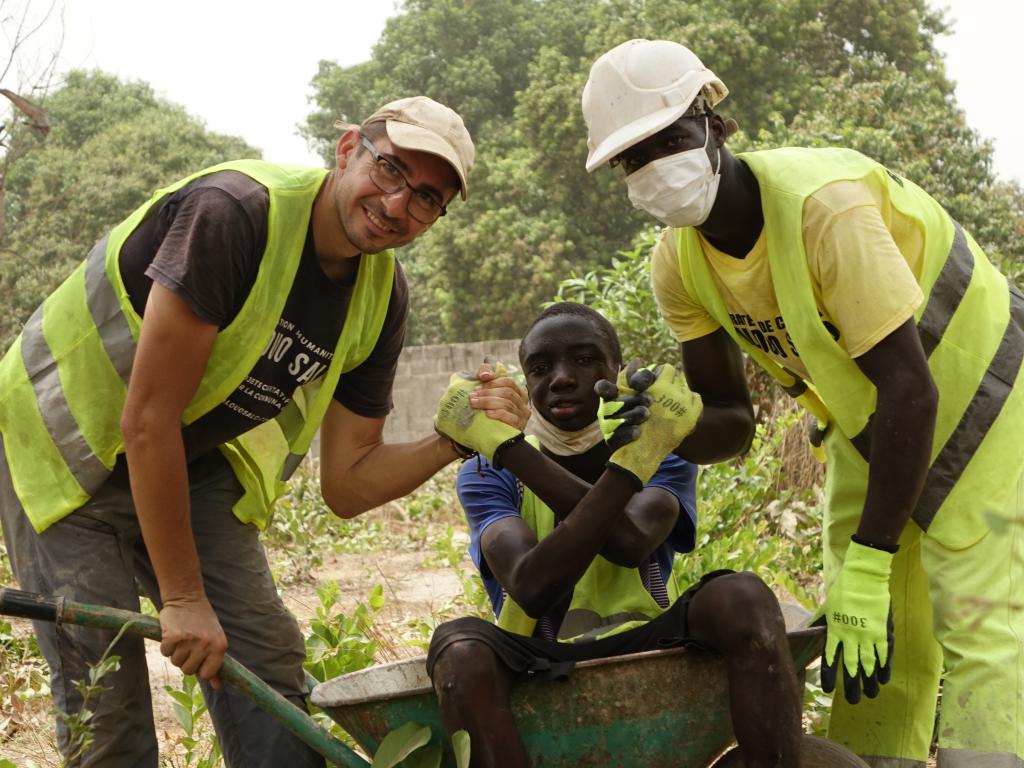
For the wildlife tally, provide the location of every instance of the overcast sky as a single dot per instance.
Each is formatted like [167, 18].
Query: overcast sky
[268, 51]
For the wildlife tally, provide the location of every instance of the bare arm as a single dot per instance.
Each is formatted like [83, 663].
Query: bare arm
[633, 535]
[539, 574]
[713, 365]
[645, 522]
[359, 471]
[173, 350]
[901, 433]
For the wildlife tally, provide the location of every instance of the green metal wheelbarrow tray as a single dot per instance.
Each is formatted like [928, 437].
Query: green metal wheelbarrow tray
[653, 709]
[656, 709]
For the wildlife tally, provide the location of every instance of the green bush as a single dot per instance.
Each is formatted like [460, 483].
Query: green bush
[749, 520]
[623, 295]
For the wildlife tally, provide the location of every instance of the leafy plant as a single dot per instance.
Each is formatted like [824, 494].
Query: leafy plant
[23, 679]
[749, 520]
[402, 742]
[817, 703]
[79, 724]
[300, 529]
[337, 643]
[474, 596]
[410, 744]
[200, 744]
[461, 746]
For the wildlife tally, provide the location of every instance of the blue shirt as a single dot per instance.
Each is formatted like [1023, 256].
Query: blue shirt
[488, 495]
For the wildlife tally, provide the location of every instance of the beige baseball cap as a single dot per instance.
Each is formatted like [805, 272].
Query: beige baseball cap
[422, 124]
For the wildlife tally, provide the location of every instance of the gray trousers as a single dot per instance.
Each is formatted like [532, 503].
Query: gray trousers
[96, 555]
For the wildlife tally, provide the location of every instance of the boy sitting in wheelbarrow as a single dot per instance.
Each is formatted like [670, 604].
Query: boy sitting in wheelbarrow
[541, 510]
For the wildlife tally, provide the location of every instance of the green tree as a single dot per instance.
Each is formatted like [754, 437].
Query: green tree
[864, 73]
[111, 145]
[913, 127]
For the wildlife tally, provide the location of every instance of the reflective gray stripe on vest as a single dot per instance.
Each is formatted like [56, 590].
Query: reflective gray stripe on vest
[893, 762]
[582, 624]
[291, 463]
[968, 758]
[88, 471]
[979, 416]
[115, 334]
[947, 293]
[943, 301]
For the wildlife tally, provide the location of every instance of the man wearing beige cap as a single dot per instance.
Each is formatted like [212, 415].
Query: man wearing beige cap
[153, 406]
[871, 306]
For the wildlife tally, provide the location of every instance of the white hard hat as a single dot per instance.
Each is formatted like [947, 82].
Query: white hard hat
[638, 88]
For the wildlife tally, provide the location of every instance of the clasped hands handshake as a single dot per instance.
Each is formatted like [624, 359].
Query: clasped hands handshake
[644, 414]
[482, 412]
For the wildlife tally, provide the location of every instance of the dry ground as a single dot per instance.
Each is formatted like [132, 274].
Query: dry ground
[411, 591]
[416, 586]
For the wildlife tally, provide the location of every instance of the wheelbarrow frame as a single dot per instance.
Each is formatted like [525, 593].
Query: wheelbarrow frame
[650, 709]
[610, 714]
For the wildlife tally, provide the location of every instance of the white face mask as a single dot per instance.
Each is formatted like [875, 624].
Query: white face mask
[562, 442]
[678, 190]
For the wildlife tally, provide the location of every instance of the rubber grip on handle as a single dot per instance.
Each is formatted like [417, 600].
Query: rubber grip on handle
[28, 605]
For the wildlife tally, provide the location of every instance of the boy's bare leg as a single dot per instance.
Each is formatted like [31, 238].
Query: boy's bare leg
[738, 616]
[473, 688]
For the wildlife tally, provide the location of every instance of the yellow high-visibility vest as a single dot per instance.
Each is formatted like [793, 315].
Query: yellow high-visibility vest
[607, 599]
[64, 381]
[971, 326]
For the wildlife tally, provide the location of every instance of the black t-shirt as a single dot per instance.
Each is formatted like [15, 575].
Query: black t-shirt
[205, 243]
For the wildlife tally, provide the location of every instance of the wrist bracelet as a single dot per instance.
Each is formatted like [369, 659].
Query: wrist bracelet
[892, 549]
[495, 461]
[461, 451]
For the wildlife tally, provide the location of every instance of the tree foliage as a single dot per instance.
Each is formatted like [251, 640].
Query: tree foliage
[111, 145]
[861, 73]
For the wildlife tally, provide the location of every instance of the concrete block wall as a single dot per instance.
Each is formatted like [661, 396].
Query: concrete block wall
[422, 377]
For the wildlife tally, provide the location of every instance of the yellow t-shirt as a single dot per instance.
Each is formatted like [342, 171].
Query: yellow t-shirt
[864, 261]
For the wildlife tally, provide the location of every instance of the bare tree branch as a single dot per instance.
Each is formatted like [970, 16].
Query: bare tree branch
[38, 120]
[30, 68]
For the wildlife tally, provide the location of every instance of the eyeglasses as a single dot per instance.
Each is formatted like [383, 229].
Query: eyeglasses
[422, 205]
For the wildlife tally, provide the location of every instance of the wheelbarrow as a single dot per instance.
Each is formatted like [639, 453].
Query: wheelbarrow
[600, 717]
[654, 709]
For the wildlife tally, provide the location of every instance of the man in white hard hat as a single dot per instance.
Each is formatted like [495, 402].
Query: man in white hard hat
[869, 304]
[152, 408]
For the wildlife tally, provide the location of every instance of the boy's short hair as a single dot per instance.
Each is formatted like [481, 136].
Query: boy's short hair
[575, 309]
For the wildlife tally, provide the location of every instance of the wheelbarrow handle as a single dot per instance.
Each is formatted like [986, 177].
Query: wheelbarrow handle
[29, 605]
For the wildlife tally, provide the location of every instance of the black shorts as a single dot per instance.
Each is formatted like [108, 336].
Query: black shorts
[533, 654]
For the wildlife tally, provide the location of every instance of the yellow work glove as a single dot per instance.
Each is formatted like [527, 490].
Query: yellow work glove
[673, 413]
[858, 621]
[470, 427]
